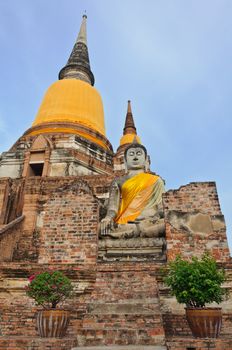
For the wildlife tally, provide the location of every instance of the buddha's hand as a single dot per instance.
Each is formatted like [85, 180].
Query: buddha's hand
[106, 225]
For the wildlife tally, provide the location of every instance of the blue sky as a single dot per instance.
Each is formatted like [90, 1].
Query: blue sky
[172, 58]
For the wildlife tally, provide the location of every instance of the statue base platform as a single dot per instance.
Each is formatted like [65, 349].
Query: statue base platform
[134, 249]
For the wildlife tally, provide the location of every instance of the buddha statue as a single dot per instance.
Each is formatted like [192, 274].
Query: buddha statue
[135, 200]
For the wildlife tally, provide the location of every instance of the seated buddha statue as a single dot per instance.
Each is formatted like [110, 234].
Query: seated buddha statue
[135, 200]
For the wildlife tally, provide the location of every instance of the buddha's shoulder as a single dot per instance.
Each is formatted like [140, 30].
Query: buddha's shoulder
[160, 179]
[119, 181]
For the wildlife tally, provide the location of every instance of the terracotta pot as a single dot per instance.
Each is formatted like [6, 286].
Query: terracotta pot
[52, 323]
[204, 322]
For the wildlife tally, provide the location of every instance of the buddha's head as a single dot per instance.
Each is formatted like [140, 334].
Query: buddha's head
[135, 156]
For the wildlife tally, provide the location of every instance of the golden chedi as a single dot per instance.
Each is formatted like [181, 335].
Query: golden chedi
[71, 101]
[71, 104]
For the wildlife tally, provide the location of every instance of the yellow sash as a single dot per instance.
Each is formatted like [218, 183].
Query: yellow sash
[136, 193]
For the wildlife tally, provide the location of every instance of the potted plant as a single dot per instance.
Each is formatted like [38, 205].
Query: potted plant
[197, 282]
[48, 289]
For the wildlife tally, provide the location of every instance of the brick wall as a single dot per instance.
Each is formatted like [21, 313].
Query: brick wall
[32, 193]
[194, 222]
[195, 196]
[68, 231]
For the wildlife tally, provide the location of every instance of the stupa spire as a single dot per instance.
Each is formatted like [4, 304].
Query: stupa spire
[78, 65]
[129, 127]
[129, 130]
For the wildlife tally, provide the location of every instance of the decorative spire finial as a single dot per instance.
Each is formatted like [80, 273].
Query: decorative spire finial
[78, 66]
[82, 36]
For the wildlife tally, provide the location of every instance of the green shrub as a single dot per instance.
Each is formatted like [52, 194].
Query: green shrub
[196, 282]
[49, 288]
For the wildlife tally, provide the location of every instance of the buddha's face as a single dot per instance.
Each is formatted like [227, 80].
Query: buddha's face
[135, 158]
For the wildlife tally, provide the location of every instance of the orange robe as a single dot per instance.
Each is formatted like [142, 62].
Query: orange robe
[137, 193]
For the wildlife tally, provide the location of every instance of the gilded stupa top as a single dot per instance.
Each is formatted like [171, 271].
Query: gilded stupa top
[72, 101]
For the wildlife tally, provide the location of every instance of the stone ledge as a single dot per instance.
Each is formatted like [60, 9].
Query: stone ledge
[36, 343]
[186, 342]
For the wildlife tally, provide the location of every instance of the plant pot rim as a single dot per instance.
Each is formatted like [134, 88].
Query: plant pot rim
[202, 308]
[56, 309]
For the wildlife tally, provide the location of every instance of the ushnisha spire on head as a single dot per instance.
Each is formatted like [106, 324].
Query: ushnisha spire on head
[78, 65]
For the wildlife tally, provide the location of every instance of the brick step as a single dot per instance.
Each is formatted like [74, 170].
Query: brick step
[124, 347]
[122, 321]
[130, 308]
[189, 343]
[123, 336]
[124, 294]
[124, 309]
[36, 343]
